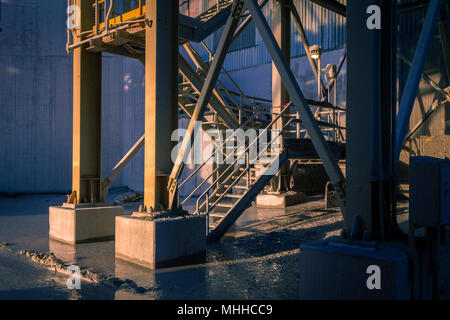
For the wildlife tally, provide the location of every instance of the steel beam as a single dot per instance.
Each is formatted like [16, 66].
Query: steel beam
[106, 182]
[332, 5]
[415, 74]
[87, 115]
[445, 41]
[161, 99]
[281, 22]
[246, 22]
[205, 95]
[214, 103]
[318, 140]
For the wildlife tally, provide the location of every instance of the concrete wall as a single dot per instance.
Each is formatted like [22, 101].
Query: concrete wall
[36, 100]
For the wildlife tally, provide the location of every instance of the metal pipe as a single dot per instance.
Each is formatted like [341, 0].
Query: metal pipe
[108, 16]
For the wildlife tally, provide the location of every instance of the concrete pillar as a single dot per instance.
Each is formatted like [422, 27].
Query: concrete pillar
[281, 18]
[87, 114]
[86, 217]
[161, 88]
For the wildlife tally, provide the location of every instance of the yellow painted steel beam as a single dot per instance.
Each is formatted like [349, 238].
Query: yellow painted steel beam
[127, 16]
[87, 73]
[161, 100]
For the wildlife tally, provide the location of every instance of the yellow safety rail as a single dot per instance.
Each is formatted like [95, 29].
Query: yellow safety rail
[126, 16]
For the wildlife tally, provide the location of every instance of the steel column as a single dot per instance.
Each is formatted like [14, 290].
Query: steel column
[161, 99]
[281, 21]
[324, 152]
[87, 105]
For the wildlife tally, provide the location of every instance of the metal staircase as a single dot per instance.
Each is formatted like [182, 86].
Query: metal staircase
[231, 186]
[237, 182]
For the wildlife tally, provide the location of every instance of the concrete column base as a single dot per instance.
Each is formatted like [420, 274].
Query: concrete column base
[74, 224]
[280, 200]
[160, 240]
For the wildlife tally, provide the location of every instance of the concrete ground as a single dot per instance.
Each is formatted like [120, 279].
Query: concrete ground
[257, 258]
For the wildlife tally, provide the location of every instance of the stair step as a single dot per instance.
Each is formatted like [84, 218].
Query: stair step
[225, 205]
[217, 214]
[237, 187]
[230, 195]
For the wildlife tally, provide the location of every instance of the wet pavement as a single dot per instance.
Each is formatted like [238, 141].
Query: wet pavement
[256, 259]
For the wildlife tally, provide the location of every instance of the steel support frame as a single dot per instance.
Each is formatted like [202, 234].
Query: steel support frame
[87, 115]
[281, 22]
[332, 5]
[161, 99]
[445, 40]
[205, 95]
[298, 99]
[415, 74]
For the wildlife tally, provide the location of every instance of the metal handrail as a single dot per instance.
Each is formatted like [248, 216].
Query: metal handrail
[245, 171]
[250, 145]
[228, 76]
[203, 164]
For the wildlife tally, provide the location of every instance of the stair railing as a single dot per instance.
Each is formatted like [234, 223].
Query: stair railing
[246, 169]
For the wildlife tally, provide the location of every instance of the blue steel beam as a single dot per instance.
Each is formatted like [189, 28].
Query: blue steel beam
[298, 99]
[415, 74]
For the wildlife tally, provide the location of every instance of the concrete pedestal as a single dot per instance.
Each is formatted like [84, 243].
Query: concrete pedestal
[78, 224]
[280, 200]
[155, 241]
[337, 269]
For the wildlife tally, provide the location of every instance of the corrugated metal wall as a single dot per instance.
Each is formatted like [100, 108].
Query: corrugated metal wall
[439, 122]
[321, 26]
[36, 100]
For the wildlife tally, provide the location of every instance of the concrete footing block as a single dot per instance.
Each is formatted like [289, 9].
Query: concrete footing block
[281, 200]
[74, 224]
[155, 241]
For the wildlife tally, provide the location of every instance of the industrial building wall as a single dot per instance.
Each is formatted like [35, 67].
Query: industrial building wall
[36, 94]
[36, 100]
[438, 124]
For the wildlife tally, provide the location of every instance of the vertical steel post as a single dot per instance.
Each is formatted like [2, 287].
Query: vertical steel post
[281, 21]
[161, 101]
[87, 114]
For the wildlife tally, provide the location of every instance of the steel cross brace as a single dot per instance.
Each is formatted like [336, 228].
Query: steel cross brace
[298, 99]
[213, 74]
[415, 74]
